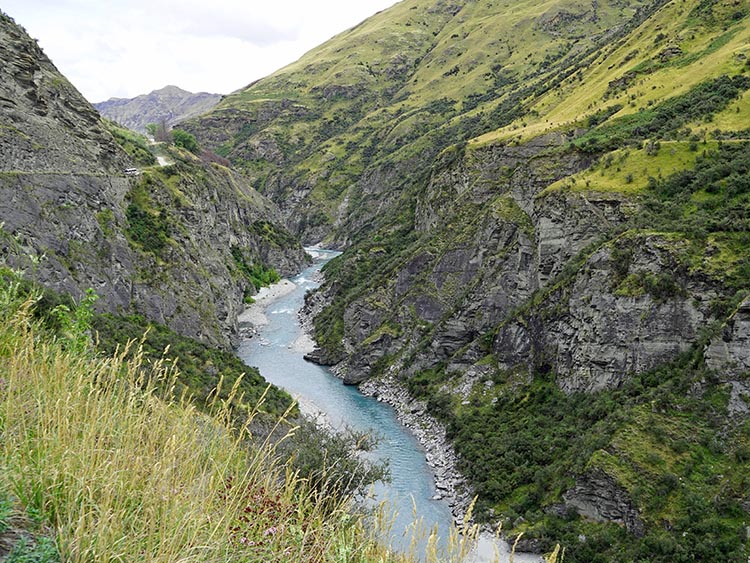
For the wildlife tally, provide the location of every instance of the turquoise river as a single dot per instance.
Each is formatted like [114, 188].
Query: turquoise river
[276, 352]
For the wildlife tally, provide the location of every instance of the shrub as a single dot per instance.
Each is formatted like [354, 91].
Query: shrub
[149, 229]
[40, 550]
[258, 274]
[332, 461]
[202, 367]
[185, 140]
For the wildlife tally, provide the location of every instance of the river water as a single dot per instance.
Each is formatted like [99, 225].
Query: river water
[277, 353]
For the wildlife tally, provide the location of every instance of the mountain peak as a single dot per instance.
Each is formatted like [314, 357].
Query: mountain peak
[170, 103]
[171, 89]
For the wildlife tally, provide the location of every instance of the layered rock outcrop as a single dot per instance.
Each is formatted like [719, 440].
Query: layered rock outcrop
[729, 353]
[597, 496]
[612, 319]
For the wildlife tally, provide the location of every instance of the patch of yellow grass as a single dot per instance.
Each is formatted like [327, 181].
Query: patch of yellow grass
[736, 117]
[627, 171]
[576, 100]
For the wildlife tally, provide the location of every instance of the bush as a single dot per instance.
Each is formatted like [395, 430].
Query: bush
[201, 366]
[41, 550]
[721, 177]
[668, 117]
[332, 461]
[149, 229]
[258, 274]
[185, 140]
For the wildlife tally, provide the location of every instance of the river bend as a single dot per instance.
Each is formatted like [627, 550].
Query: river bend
[277, 350]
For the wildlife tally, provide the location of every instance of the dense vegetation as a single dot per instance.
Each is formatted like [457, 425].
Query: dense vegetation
[185, 140]
[712, 197]
[200, 366]
[686, 469]
[257, 274]
[667, 119]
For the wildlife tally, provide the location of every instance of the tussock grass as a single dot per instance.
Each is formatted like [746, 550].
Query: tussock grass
[116, 470]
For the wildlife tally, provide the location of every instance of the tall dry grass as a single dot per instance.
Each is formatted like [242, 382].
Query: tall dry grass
[123, 474]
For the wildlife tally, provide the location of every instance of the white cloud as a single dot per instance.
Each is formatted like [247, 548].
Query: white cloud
[122, 49]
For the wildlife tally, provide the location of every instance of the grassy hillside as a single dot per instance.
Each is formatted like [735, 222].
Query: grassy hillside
[95, 456]
[424, 75]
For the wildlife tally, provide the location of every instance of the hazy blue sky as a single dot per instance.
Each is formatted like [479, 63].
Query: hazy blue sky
[125, 48]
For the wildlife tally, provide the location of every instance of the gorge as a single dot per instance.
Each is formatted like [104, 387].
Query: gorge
[542, 212]
[277, 347]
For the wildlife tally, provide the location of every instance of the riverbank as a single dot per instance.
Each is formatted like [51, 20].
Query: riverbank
[254, 317]
[450, 484]
[413, 415]
[442, 459]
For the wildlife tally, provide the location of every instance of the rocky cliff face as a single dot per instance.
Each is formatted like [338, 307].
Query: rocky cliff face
[509, 285]
[492, 280]
[169, 105]
[729, 355]
[596, 331]
[42, 112]
[72, 219]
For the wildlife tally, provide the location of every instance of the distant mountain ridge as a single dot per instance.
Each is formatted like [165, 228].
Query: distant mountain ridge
[171, 103]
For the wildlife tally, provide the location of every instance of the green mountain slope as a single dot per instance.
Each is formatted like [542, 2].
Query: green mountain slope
[423, 75]
[544, 207]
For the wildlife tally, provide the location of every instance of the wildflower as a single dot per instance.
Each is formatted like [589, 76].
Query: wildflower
[245, 541]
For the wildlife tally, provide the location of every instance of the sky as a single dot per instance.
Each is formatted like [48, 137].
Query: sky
[124, 48]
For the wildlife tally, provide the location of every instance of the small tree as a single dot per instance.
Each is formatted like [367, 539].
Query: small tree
[185, 140]
[160, 131]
